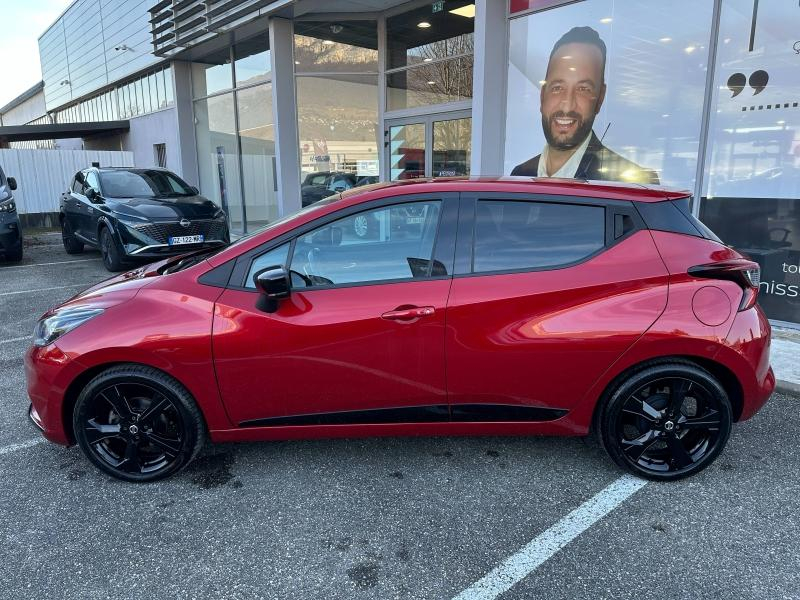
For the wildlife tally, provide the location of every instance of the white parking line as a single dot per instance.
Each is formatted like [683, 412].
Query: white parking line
[61, 287]
[12, 340]
[47, 264]
[20, 446]
[544, 546]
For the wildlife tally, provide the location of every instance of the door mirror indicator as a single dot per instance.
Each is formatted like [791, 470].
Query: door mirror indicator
[12, 183]
[274, 284]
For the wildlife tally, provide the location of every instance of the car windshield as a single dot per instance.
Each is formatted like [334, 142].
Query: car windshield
[143, 184]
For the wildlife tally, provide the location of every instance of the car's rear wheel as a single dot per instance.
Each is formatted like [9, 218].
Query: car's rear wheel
[137, 424]
[112, 259]
[71, 244]
[667, 421]
[361, 226]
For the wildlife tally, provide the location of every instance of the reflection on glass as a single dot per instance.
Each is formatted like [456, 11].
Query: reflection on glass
[252, 61]
[168, 85]
[434, 83]
[343, 46]
[752, 195]
[217, 154]
[211, 78]
[407, 151]
[452, 147]
[450, 34]
[257, 135]
[337, 123]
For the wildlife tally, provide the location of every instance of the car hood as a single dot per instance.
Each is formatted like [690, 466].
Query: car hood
[189, 207]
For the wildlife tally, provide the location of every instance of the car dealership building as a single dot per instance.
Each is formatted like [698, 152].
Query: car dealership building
[261, 103]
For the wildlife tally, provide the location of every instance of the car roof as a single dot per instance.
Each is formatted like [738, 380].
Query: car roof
[610, 190]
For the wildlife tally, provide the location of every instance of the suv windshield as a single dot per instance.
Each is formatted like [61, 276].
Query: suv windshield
[143, 184]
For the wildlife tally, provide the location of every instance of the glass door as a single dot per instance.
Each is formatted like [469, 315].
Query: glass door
[437, 145]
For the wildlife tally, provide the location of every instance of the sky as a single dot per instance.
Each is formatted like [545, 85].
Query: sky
[23, 21]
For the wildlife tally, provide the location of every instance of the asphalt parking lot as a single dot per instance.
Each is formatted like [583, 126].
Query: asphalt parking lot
[380, 518]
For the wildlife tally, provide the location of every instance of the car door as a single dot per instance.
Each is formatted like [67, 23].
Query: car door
[80, 206]
[72, 204]
[361, 337]
[93, 211]
[547, 294]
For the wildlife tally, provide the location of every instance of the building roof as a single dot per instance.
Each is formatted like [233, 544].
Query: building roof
[26, 95]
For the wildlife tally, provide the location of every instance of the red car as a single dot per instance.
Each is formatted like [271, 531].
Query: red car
[512, 307]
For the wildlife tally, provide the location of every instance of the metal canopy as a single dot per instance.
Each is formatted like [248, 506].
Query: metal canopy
[55, 131]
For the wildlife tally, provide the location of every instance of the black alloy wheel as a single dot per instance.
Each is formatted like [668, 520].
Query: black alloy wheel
[112, 260]
[71, 244]
[667, 422]
[137, 424]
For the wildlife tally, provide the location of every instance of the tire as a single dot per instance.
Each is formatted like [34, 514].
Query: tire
[112, 259]
[71, 244]
[138, 424]
[666, 422]
[14, 255]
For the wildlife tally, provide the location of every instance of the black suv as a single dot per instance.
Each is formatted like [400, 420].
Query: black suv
[10, 230]
[137, 214]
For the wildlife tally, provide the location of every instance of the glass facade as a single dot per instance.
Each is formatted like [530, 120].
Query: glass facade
[336, 67]
[623, 83]
[234, 128]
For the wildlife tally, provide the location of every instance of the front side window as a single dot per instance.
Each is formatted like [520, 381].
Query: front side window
[518, 235]
[384, 244]
[273, 258]
[143, 184]
[77, 186]
[92, 181]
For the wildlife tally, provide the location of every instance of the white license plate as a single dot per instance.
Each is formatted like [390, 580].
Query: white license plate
[412, 220]
[186, 239]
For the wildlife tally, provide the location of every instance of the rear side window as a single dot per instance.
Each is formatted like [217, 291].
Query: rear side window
[520, 235]
[674, 216]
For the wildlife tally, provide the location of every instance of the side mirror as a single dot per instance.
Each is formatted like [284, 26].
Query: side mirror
[12, 183]
[274, 284]
[93, 196]
[195, 191]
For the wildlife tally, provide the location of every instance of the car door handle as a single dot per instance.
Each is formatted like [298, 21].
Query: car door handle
[408, 314]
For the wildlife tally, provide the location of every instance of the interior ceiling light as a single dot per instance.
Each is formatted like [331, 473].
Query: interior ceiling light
[689, 49]
[465, 11]
[423, 24]
[665, 39]
[431, 83]
[606, 20]
[427, 59]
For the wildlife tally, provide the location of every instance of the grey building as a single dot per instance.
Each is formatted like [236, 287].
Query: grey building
[267, 104]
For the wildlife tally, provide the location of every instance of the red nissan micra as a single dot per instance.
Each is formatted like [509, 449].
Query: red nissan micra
[464, 307]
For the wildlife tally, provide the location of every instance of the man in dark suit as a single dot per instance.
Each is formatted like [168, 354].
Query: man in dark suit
[571, 98]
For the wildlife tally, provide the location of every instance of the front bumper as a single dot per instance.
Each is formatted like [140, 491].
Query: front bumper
[48, 372]
[151, 240]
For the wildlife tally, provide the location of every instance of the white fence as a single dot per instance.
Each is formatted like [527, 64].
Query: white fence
[42, 175]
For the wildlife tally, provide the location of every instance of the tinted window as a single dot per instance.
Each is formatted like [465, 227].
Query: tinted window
[92, 181]
[143, 184]
[77, 186]
[527, 235]
[388, 243]
[274, 258]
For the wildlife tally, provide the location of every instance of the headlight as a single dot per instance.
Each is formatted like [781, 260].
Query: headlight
[7, 206]
[66, 319]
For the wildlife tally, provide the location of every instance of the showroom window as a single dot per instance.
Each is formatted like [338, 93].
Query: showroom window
[235, 132]
[514, 235]
[430, 55]
[336, 67]
[751, 196]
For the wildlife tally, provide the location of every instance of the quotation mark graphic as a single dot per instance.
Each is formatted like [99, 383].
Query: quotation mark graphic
[758, 81]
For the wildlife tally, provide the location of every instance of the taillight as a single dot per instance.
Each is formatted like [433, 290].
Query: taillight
[740, 270]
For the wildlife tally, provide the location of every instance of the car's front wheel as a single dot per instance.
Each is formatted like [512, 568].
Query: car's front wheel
[667, 421]
[137, 424]
[112, 259]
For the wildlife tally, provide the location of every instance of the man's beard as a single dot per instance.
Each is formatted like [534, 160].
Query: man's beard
[576, 139]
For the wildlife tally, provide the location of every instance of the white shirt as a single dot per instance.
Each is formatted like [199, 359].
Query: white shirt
[570, 167]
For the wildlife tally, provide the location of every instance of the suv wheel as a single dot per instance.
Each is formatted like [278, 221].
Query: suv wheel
[71, 244]
[111, 254]
[667, 421]
[138, 424]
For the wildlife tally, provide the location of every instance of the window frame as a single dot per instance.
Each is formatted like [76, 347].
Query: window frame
[465, 252]
[443, 243]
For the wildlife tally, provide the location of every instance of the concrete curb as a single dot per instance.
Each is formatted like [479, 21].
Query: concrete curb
[787, 387]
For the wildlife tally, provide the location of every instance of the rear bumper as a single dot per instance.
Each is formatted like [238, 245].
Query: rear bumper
[747, 355]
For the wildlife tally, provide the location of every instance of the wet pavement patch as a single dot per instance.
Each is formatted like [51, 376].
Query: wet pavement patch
[364, 575]
[211, 471]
